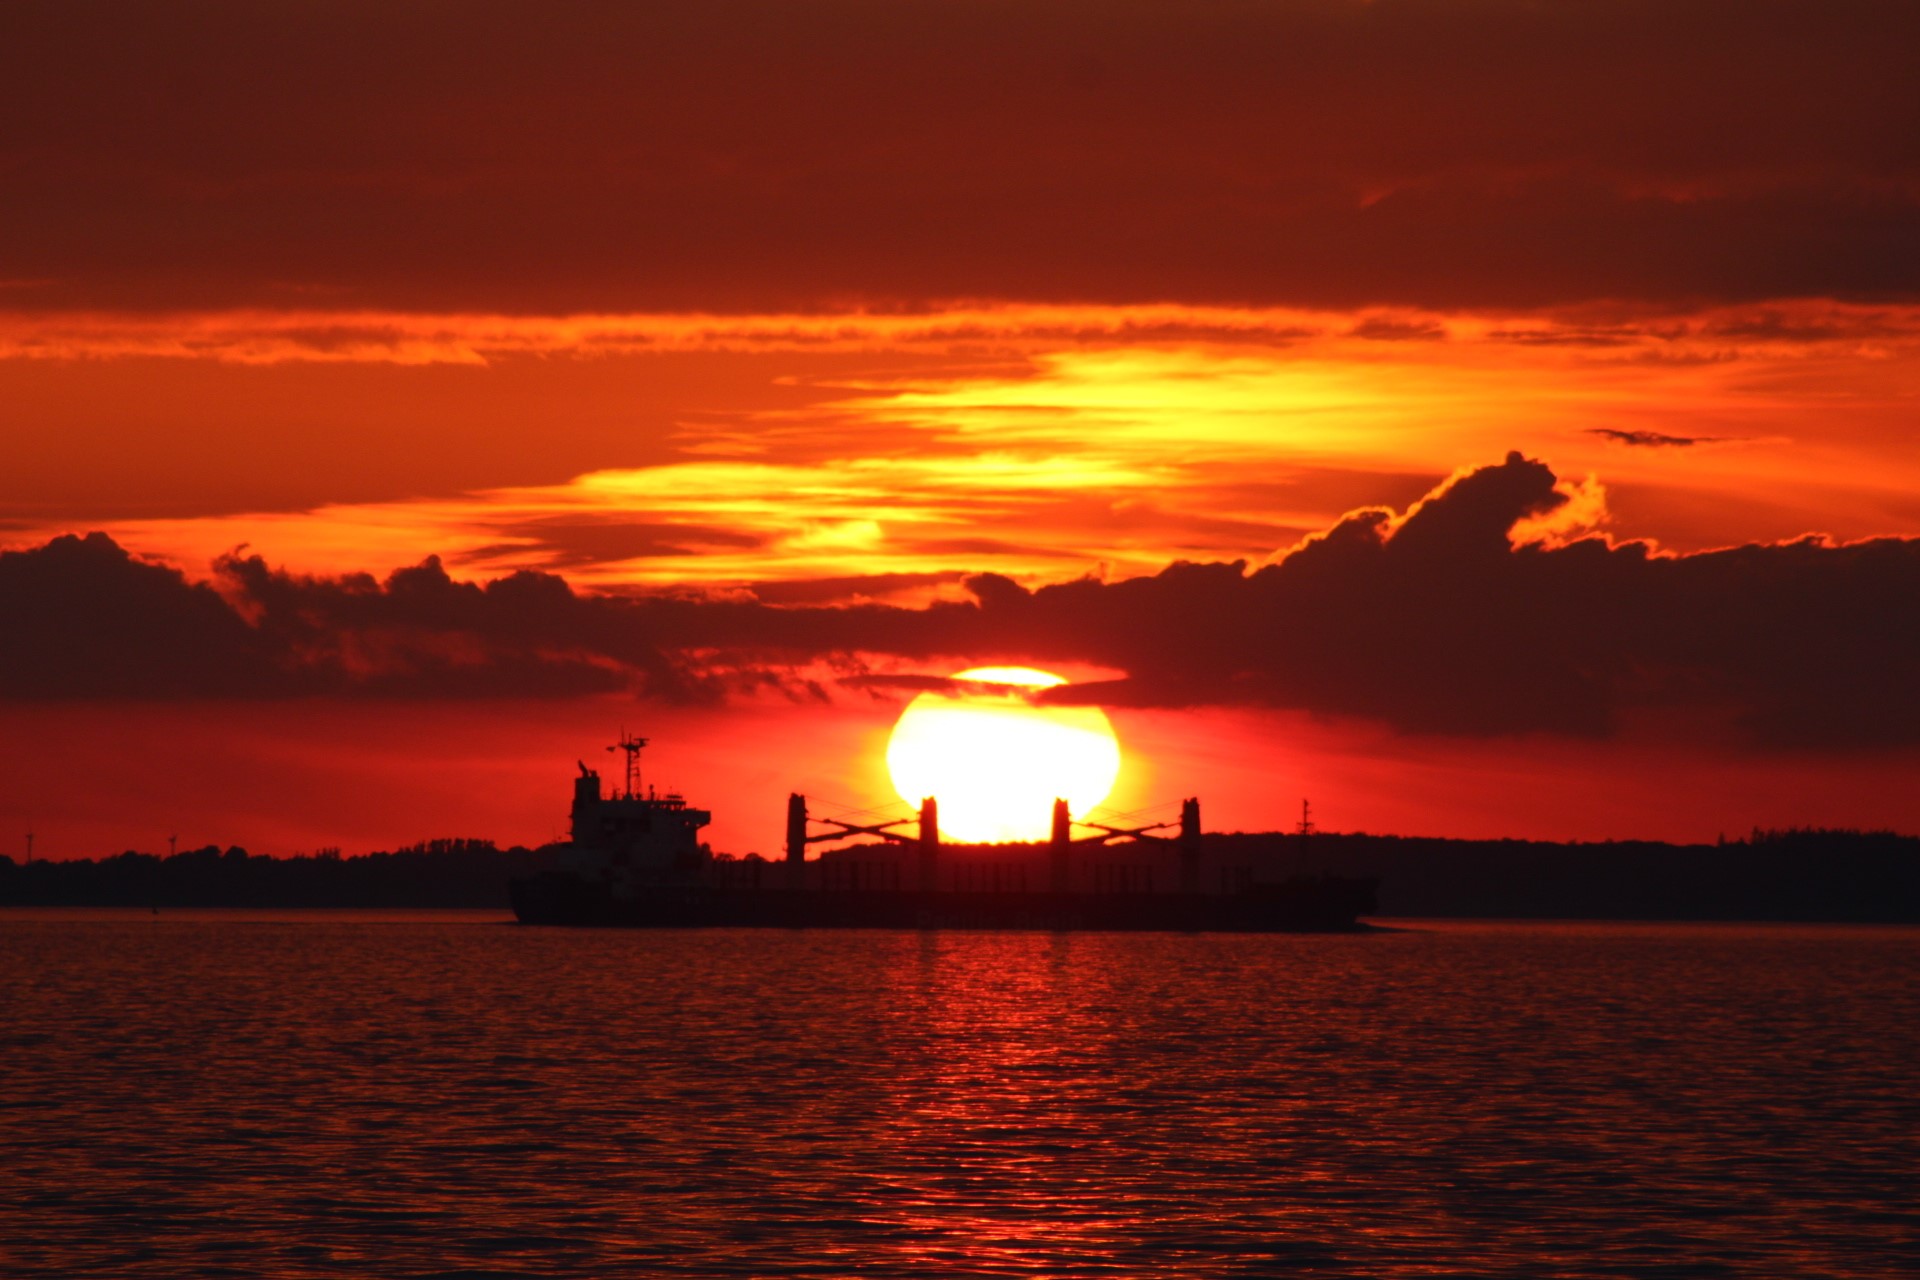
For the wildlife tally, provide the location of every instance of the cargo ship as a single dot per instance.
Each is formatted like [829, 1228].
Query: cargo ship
[635, 859]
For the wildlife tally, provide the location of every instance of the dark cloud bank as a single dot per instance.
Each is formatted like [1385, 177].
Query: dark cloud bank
[513, 155]
[1433, 622]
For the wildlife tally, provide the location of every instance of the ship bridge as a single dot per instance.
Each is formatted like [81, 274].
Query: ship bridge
[636, 835]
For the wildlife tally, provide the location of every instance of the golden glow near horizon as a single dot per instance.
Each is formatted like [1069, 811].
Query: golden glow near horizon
[996, 761]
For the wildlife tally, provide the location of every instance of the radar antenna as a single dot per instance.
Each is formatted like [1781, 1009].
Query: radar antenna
[632, 746]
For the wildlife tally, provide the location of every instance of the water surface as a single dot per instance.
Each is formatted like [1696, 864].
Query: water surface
[447, 1095]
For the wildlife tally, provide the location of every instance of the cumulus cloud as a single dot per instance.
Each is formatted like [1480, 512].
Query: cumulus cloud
[81, 618]
[1431, 620]
[85, 619]
[1441, 624]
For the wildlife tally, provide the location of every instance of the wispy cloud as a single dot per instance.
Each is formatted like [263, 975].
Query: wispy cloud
[400, 337]
[270, 336]
[1654, 439]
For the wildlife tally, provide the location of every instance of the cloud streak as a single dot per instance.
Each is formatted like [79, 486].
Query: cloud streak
[306, 334]
[1653, 439]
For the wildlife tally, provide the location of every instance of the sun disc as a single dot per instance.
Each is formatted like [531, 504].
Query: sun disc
[995, 760]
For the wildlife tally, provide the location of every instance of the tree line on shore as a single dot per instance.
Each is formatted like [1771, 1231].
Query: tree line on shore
[432, 873]
[1799, 873]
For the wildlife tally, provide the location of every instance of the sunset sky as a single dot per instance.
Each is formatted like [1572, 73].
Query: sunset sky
[1479, 418]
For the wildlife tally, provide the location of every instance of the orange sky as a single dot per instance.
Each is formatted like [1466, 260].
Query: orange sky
[809, 446]
[842, 305]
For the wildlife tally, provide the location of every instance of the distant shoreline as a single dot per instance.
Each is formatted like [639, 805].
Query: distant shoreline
[490, 917]
[1794, 876]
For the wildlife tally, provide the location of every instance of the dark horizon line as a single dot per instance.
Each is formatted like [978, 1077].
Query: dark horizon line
[1754, 837]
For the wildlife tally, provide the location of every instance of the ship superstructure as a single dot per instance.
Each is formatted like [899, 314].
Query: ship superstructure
[634, 840]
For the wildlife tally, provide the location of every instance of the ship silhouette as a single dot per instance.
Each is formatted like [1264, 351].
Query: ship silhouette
[635, 859]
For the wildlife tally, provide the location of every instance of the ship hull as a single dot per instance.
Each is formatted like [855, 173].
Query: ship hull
[1309, 905]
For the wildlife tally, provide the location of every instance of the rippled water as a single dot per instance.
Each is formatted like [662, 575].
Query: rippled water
[407, 1096]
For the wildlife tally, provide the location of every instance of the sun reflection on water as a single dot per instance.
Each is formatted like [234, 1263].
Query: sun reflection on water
[397, 1099]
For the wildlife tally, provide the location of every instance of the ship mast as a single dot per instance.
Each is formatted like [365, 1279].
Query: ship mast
[631, 745]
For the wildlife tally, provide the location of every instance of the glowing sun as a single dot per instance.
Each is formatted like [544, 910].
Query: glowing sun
[996, 761]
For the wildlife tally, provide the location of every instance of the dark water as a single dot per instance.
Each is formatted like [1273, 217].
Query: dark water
[415, 1096]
